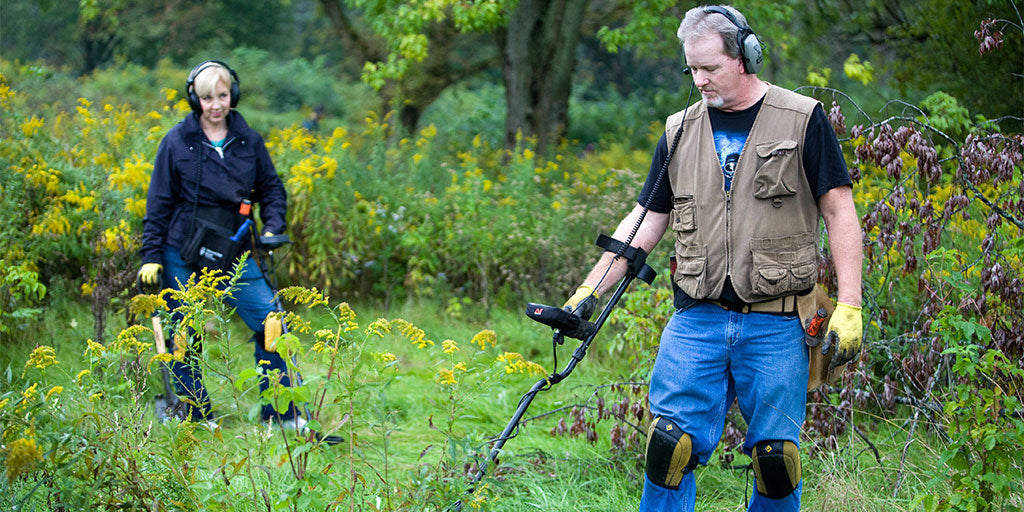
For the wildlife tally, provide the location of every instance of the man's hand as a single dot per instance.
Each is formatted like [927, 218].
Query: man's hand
[583, 302]
[267, 233]
[150, 273]
[846, 325]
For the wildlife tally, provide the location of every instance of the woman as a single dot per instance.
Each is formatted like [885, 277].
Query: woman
[209, 169]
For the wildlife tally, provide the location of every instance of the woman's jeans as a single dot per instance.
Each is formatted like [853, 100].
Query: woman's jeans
[708, 356]
[253, 300]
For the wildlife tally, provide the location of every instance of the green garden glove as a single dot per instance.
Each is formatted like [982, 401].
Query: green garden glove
[150, 273]
[583, 302]
[846, 326]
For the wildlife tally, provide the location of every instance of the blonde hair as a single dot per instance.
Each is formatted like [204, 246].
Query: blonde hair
[206, 81]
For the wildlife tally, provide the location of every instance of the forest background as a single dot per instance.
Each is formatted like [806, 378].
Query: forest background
[470, 154]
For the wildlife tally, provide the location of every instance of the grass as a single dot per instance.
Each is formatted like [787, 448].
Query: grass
[538, 470]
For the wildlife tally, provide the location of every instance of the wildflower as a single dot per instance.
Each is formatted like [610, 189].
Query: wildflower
[484, 337]
[515, 363]
[449, 347]
[41, 357]
[93, 349]
[413, 333]
[56, 390]
[380, 327]
[461, 367]
[81, 375]
[30, 393]
[163, 358]
[31, 126]
[21, 456]
[446, 376]
[385, 357]
[95, 397]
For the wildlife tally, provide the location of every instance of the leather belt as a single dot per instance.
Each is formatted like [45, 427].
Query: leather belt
[784, 304]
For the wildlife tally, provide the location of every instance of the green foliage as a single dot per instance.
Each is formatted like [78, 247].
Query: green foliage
[862, 71]
[20, 290]
[946, 115]
[982, 462]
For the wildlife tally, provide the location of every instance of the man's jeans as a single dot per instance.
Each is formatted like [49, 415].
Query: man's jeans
[709, 356]
[253, 300]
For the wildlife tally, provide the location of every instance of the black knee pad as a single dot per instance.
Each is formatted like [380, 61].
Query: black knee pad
[669, 453]
[777, 468]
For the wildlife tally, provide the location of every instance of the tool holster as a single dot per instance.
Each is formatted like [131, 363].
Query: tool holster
[819, 347]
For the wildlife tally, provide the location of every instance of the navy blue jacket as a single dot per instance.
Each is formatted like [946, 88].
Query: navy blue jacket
[245, 172]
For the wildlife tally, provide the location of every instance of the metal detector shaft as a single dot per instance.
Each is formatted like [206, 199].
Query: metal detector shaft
[637, 268]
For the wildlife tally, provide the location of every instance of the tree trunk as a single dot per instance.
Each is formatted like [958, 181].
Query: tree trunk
[539, 57]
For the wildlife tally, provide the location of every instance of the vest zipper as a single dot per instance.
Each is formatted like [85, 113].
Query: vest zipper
[728, 233]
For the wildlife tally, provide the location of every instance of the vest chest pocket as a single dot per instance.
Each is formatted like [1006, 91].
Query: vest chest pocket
[684, 214]
[783, 265]
[777, 175]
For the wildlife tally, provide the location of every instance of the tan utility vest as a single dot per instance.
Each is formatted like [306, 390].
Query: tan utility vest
[763, 234]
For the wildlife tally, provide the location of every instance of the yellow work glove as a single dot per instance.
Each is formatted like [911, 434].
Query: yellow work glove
[150, 273]
[846, 327]
[583, 302]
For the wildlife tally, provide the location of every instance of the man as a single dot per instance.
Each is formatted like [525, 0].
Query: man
[754, 168]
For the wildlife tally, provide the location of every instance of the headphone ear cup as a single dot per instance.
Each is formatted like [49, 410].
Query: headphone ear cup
[236, 92]
[750, 50]
[193, 101]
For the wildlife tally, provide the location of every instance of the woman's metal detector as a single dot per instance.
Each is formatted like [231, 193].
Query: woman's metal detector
[267, 245]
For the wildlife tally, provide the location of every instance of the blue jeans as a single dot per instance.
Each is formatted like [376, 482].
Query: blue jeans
[708, 356]
[253, 300]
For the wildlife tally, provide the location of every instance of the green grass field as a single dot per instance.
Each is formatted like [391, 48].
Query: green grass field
[414, 436]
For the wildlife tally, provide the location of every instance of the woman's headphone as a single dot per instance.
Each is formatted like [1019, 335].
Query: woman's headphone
[750, 47]
[193, 99]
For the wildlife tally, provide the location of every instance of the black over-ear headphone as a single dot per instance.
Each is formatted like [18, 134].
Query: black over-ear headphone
[193, 98]
[750, 47]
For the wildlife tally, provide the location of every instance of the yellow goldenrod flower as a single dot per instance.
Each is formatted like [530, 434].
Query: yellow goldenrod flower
[449, 347]
[93, 349]
[56, 390]
[31, 126]
[81, 375]
[22, 455]
[485, 337]
[42, 357]
[415, 335]
[445, 376]
[30, 393]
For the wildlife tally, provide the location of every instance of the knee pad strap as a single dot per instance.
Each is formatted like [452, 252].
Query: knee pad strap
[669, 453]
[777, 468]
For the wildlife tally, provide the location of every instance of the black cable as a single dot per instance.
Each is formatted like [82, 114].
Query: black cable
[647, 202]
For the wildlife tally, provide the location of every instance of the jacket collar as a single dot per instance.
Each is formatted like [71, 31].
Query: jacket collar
[237, 127]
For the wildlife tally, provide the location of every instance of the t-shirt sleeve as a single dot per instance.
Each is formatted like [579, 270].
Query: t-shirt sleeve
[661, 200]
[823, 157]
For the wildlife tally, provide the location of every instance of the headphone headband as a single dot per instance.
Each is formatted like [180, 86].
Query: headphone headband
[746, 39]
[190, 93]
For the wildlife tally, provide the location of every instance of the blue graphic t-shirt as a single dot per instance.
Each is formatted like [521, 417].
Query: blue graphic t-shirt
[731, 130]
[729, 145]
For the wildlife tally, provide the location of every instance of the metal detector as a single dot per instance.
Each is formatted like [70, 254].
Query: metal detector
[268, 244]
[167, 405]
[567, 324]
